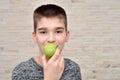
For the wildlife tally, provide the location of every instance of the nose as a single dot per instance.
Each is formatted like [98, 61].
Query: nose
[51, 38]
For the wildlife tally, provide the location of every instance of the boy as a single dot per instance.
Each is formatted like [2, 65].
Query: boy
[50, 26]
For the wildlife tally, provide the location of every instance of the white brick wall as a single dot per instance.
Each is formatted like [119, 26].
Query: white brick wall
[95, 34]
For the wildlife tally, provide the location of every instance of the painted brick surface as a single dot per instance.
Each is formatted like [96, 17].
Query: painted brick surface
[94, 43]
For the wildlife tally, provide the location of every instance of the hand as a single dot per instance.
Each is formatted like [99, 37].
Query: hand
[53, 68]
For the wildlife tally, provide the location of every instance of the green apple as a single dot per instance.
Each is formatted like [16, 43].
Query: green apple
[49, 49]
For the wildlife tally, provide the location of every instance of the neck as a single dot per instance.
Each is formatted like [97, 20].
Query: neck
[38, 60]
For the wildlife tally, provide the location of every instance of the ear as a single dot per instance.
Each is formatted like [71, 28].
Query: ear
[34, 36]
[67, 35]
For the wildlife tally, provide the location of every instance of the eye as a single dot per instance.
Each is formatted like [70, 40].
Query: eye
[59, 32]
[42, 32]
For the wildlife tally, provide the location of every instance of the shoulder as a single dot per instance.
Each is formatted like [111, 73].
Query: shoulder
[22, 68]
[70, 64]
[23, 65]
[71, 71]
[27, 70]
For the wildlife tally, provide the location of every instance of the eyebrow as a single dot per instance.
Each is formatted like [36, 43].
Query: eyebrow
[59, 28]
[44, 28]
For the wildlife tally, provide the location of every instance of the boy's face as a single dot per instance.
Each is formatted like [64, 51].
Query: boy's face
[50, 30]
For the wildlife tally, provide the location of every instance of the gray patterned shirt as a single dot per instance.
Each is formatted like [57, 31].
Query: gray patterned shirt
[30, 70]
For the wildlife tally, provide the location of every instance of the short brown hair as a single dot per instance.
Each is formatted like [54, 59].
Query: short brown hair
[49, 10]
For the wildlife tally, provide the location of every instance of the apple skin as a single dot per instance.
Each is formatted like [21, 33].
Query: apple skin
[49, 49]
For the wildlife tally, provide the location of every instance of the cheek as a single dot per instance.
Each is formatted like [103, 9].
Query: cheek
[40, 43]
[61, 40]
[40, 40]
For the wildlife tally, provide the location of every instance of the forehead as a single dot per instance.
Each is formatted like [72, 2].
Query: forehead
[50, 22]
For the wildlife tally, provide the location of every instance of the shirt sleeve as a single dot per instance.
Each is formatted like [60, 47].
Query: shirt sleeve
[78, 74]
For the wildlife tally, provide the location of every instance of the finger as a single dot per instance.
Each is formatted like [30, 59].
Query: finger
[44, 60]
[56, 55]
[61, 61]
